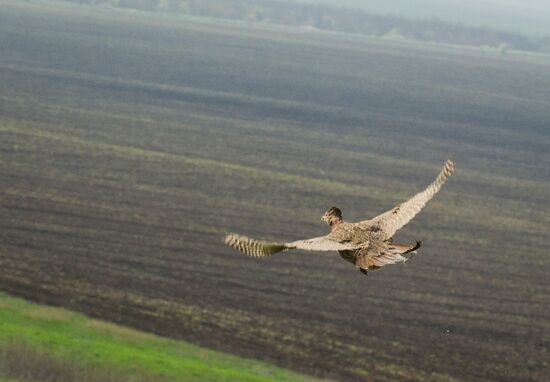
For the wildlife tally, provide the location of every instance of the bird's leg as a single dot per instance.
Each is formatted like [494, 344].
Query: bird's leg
[409, 256]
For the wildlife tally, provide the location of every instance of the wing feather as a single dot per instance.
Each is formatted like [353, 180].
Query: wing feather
[323, 244]
[252, 247]
[260, 248]
[391, 221]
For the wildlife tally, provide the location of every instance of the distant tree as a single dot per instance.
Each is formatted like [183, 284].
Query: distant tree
[503, 48]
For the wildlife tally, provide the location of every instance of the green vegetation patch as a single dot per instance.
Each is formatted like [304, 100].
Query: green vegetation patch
[65, 338]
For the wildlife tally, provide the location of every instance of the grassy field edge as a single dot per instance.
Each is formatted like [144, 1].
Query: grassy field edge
[87, 344]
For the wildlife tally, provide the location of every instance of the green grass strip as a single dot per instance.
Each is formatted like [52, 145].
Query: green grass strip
[87, 342]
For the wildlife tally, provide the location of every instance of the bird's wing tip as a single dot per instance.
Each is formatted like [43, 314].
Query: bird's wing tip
[228, 237]
[252, 247]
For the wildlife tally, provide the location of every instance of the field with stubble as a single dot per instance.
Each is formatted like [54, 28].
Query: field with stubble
[131, 142]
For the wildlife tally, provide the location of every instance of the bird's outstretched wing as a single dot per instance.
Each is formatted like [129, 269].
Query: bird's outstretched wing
[260, 248]
[391, 221]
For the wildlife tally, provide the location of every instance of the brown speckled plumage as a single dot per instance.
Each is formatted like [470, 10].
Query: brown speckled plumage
[366, 244]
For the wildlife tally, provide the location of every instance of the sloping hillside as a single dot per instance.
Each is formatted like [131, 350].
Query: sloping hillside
[41, 343]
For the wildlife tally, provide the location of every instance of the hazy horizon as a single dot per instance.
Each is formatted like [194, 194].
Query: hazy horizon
[528, 16]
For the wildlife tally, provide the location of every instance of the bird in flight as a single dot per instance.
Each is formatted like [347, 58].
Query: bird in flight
[367, 244]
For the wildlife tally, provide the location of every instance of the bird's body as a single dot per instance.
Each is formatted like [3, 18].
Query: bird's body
[374, 250]
[367, 244]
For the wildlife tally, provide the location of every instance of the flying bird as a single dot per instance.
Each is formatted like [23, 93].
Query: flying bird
[367, 244]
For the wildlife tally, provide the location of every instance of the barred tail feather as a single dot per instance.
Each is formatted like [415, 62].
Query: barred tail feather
[393, 254]
[403, 249]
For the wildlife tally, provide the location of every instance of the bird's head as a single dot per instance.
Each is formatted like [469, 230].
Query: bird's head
[332, 216]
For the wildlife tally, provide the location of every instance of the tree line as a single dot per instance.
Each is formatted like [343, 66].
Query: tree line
[340, 19]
